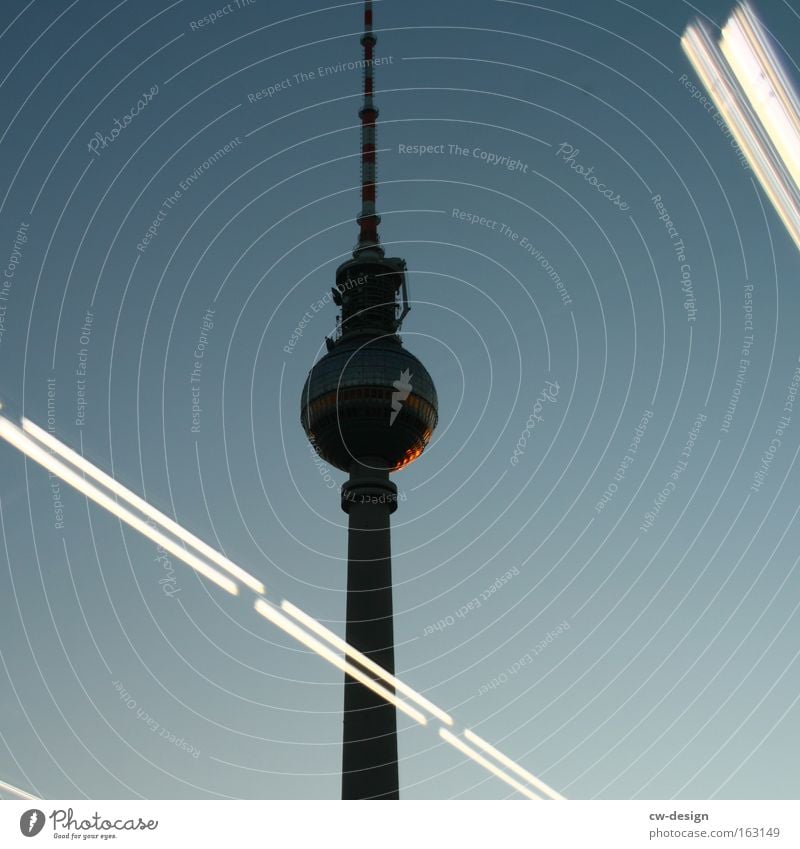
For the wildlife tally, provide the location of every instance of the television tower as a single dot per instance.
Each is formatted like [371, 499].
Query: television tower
[369, 408]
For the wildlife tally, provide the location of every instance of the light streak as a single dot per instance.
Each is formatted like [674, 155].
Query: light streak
[512, 765]
[15, 791]
[322, 650]
[479, 758]
[20, 440]
[746, 46]
[366, 662]
[140, 504]
[744, 78]
[704, 56]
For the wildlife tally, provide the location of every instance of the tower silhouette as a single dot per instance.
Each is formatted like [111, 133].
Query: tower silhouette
[369, 408]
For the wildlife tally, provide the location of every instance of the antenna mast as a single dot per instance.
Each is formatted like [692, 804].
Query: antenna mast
[368, 220]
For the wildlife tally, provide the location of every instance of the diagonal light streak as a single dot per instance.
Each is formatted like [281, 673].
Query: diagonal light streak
[140, 504]
[268, 612]
[41, 447]
[512, 765]
[746, 46]
[704, 56]
[744, 77]
[20, 440]
[366, 662]
[15, 791]
[462, 747]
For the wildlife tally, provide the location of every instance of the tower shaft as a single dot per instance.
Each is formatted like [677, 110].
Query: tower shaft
[369, 750]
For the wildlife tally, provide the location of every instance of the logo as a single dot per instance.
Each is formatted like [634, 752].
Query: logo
[31, 822]
[403, 387]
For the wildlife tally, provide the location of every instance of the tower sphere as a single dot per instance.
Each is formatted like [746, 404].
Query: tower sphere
[369, 398]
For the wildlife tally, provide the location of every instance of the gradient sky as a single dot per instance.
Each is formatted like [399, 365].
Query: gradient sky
[678, 674]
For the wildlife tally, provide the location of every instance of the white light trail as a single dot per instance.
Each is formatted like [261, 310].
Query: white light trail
[744, 78]
[20, 440]
[758, 69]
[366, 662]
[140, 504]
[707, 61]
[15, 791]
[37, 445]
[512, 765]
[480, 759]
[322, 650]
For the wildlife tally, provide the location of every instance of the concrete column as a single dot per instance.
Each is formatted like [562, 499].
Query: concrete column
[369, 751]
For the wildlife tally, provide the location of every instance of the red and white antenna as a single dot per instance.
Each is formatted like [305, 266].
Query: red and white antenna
[368, 220]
